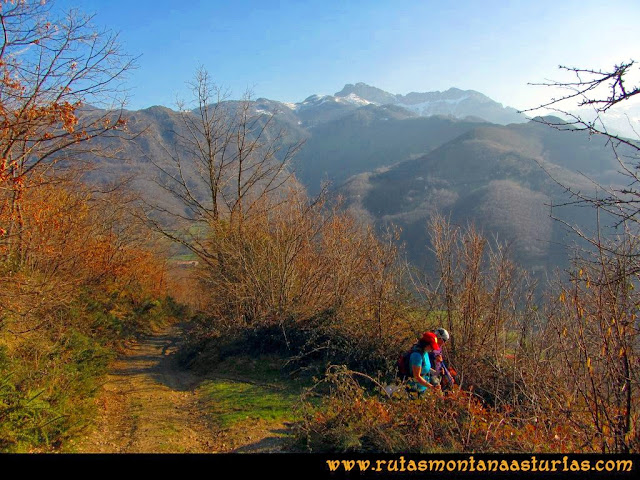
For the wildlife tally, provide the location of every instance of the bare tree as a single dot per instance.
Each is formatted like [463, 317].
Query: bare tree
[54, 72]
[594, 319]
[227, 159]
[584, 103]
[482, 296]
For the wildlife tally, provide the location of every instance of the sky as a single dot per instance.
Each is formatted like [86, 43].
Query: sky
[287, 50]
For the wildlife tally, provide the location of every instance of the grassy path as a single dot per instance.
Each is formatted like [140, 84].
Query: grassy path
[151, 405]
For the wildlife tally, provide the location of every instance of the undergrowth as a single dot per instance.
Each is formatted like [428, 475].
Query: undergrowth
[355, 418]
[50, 375]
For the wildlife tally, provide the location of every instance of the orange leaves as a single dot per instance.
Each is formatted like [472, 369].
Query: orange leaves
[351, 418]
[8, 82]
[52, 115]
[48, 67]
[18, 181]
[66, 234]
[33, 124]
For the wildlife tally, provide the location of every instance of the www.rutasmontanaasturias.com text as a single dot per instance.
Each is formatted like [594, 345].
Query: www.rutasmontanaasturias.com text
[471, 464]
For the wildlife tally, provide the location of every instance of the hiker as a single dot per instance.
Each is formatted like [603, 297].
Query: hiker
[437, 363]
[420, 378]
[436, 356]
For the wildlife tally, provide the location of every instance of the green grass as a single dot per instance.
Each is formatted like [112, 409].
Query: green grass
[232, 402]
[49, 377]
[250, 388]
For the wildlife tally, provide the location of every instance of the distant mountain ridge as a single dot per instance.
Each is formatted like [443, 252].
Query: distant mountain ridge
[456, 103]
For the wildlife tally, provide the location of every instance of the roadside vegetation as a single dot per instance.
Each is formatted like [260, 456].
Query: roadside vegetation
[251, 400]
[77, 274]
[84, 285]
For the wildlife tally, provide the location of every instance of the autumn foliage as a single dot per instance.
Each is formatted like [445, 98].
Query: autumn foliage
[82, 268]
[77, 274]
[354, 417]
[559, 378]
[307, 279]
[88, 279]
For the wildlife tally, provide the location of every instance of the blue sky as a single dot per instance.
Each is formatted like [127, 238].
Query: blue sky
[288, 50]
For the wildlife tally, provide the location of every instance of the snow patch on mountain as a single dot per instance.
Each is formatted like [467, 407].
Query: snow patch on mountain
[434, 106]
[315, 100]
[262, 111]
[354, 99]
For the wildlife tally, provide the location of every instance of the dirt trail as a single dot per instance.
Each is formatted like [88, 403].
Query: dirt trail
[150, 405]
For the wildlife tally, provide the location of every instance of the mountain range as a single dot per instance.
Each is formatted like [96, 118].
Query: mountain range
[455, 102]
[400, 158]
[318, 109]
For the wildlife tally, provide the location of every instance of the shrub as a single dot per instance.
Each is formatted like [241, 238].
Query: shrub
[46, 386]
[352, 418]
